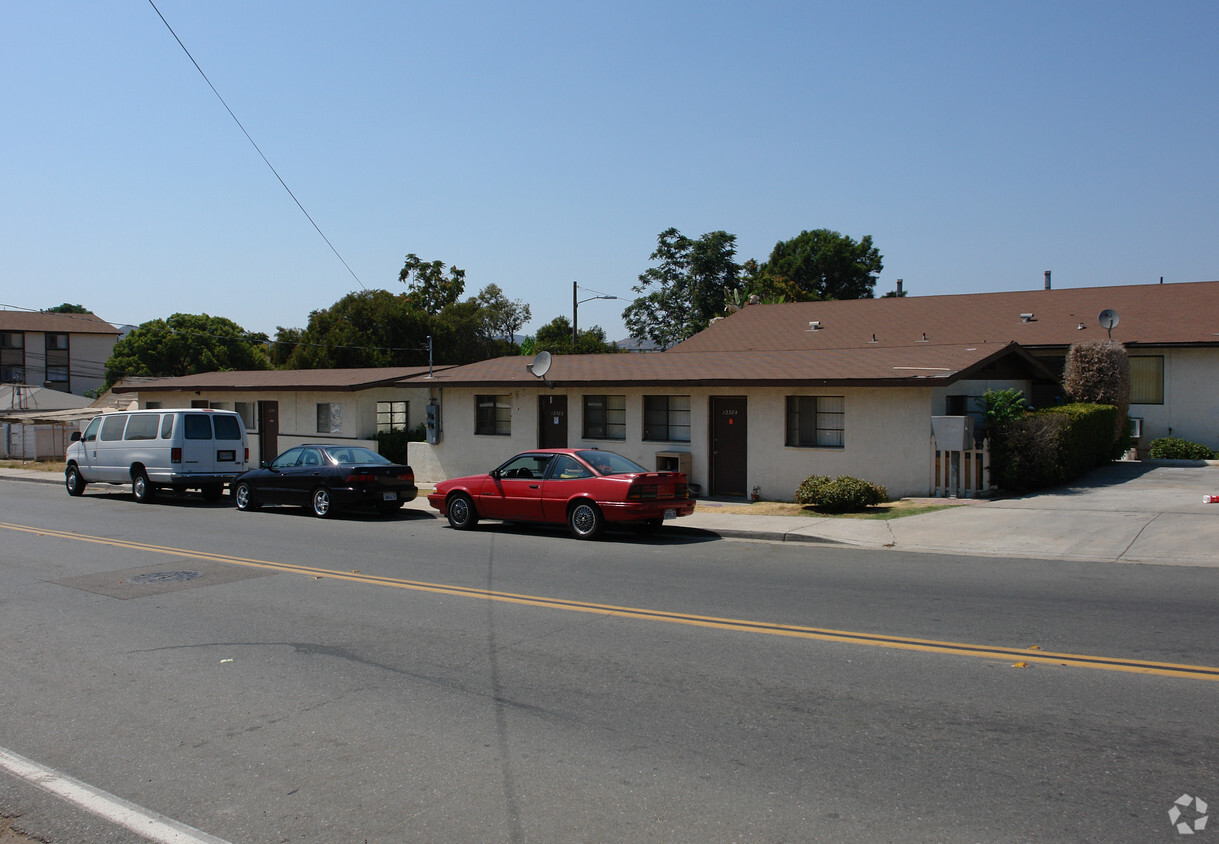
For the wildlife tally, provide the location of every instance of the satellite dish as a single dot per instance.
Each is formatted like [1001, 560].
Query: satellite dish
[540, 365]
[1108, 318]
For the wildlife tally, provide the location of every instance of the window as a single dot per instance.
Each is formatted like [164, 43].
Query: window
[568, 468]
[815, 421]
[529, 467]
[287, 460]
[605, 417]
[153, 405]
[329, 418]
[666, 418]
[90, 434]
[167, 426]
[143, 426]
[493, 415]
[57, 359]
[112, 428]
[12, 357]
[392, 415]
[245, 409]
[1147, 379]
[227, 428]
[196, 426]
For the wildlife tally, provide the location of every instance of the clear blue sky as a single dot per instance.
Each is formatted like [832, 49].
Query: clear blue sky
[536, 144]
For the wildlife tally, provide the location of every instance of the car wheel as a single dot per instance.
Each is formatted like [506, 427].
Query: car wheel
[460, 512]
[245, 497]
[213, 492]
[73, 480]
[321, 503]
[585, 520]
[141, 488]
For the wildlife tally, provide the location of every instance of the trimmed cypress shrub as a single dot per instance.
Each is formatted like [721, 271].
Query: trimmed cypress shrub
[842, 494]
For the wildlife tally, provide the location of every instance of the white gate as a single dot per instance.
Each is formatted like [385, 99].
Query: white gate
[961, 474]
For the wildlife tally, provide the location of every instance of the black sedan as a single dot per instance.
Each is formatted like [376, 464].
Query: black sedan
[327, 477]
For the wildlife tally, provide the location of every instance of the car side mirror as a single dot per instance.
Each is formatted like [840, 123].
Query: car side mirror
[264, 464]
[75, 436]
[495, 473]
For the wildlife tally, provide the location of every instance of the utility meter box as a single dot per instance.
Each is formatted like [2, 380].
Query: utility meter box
[953, 433]
[431, 423]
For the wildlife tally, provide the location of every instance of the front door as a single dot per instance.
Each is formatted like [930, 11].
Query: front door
[552, 419]
[268, 430]
[729, 439]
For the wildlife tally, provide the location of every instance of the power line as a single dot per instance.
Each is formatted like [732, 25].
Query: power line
[252, 143]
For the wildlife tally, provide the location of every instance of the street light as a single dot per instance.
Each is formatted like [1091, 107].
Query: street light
[576, 302]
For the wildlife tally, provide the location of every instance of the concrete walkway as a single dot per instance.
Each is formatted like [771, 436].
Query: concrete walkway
[1128, 512]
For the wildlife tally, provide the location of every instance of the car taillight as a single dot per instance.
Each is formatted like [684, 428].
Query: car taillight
[247, 454]
[641, 492]
[175, 455]
[409, 477]
[681, 490]
[360, 478]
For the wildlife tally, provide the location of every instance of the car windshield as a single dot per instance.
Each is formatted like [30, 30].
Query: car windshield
[608, 463]
[355, 454]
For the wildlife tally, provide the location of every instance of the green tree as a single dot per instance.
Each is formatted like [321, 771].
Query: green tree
[431, 289]
[555, 337]
[504, 317]
[186, 344]
[823, 264]
[285, 343]
[66, 308]
[363, 329]
[686, 290]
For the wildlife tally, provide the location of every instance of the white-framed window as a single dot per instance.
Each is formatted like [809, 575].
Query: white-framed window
[666, 418]
[392, 415]
[493, 415]
[329, 418]
[605, 417]
[816, 421]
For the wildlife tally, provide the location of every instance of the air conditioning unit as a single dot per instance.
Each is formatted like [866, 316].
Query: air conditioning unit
[674, 461]
[1136, 427]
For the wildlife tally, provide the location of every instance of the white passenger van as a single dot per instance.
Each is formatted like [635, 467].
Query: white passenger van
[183, 449]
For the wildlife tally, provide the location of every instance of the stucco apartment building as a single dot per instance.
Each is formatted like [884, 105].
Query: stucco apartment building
[64, 352]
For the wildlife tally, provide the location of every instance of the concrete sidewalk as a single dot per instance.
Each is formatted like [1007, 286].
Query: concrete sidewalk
[1128, 512]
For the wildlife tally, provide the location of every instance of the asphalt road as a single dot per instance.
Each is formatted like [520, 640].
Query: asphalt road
[270, 677]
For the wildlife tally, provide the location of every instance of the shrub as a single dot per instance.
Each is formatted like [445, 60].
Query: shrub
[1098, 372]
[842, 494]
[1052, 446]
[1176, 448]
[392, 445]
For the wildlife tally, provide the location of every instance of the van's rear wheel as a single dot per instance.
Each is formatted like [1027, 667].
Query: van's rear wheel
[142, 488]
[73, 480]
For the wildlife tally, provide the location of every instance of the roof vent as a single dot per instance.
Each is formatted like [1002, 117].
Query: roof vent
[1079, 327]
[814, 325]
[922, 339]
[1027, 318]
[873, 340]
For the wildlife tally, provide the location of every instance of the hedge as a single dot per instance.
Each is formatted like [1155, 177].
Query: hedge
[1052, 446]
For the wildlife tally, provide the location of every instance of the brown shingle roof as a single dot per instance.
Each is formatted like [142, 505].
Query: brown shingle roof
[282, 380]
[1150, 314]
[871, 366]
[55, 323]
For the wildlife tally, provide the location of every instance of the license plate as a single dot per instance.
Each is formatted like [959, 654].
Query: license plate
[226, 456]
[670, 514]
[389, 496]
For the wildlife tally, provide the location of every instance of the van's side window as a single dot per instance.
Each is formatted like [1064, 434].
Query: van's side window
[91, 432]
[167, 426]
[143, 426]
[112, 427]
[198, 427]
[226, 428]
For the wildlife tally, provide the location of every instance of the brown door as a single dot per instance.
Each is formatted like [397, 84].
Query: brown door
[552, 421]
[729, 475]
[268, 430]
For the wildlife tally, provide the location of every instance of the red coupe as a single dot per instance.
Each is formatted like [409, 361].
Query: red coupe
[583, 488]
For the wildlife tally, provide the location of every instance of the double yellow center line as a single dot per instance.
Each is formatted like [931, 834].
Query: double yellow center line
[1018, 656]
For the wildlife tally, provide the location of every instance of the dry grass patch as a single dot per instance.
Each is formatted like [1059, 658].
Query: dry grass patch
[35, 465]
[888, 510]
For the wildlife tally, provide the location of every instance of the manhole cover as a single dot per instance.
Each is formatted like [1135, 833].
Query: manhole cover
[165, 577]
